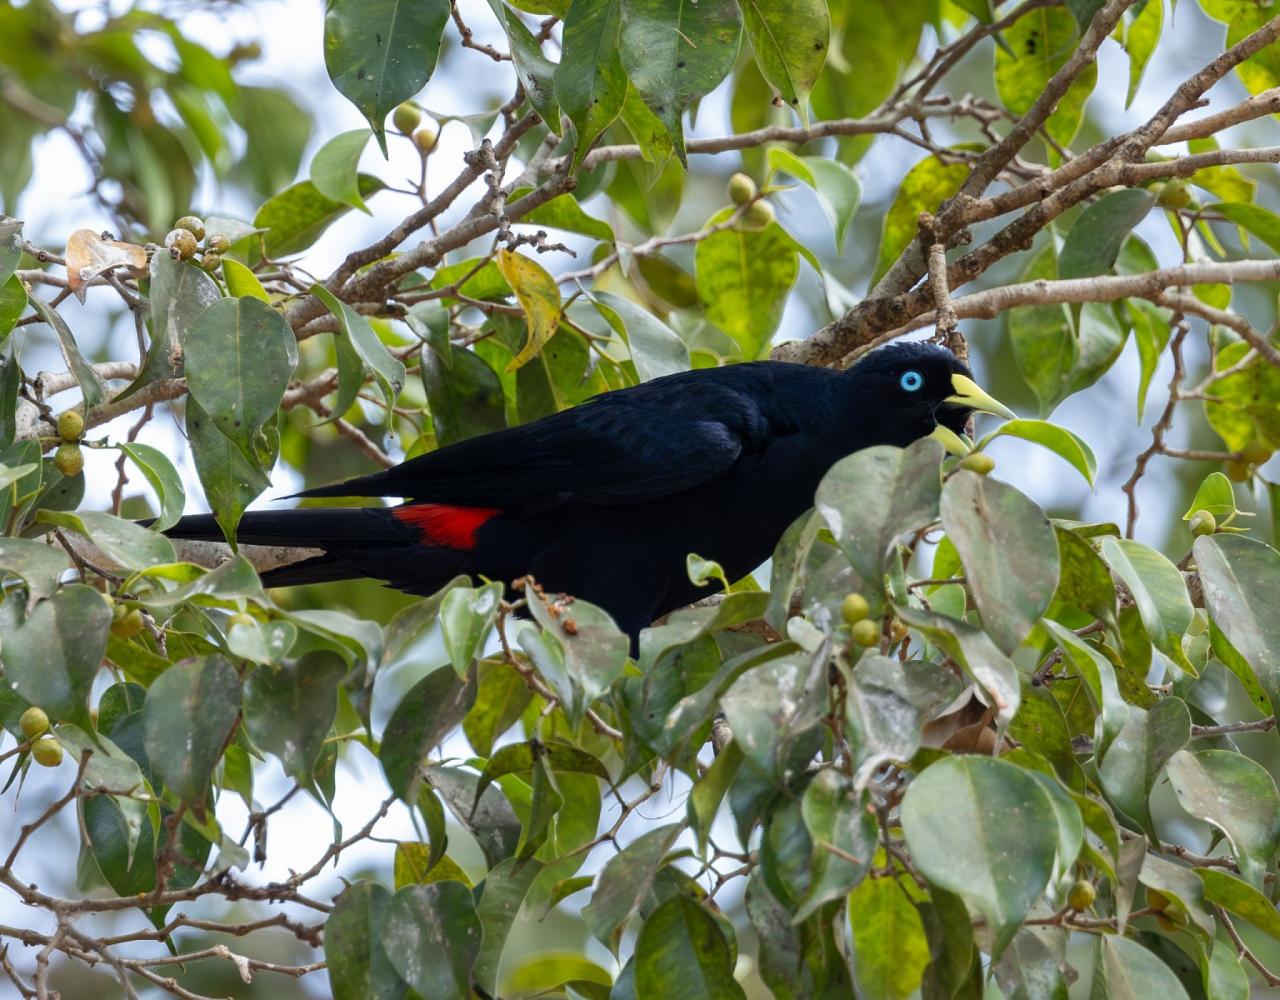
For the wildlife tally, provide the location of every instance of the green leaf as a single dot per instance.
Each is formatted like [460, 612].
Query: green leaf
[535, 71]
[706, 795]
[775, 707]
[335, 168]
[1158, 591]
[1043, 342]
[1240, 578]
[1100, 681]
[890, 949]
[1214, 495]
[836, 817]
[1260, 71]
[240, 355]
[353, 945]
[505, 888]
[465, 399]
[875, 495]
[564, 212]
[178, 294]
[1258, 221]
[493, 822]
[789, 39]
[466, 619]
[1235, 794]
[682, 952]
[1084, 581]
[381, 52]
[51, 657]
[625, 880]
[590, 81]
[977, 653]
[289, 710]
[242, 282]
[1138, 754]
[744, 276]
[1240, 898]
[1037, 45]
[1180, 885]
[386, 369]
[1124, 970]
[13, 300]
[297, 216]
[38, 564]
[10, 246]
[413, 866]
[838, 190]
[925, 187]
[656, 349]
[1151, 334]
[231, 482]
[432, 936]
[1009, 551]
[580, 665]
[125, 543]
[1140, 39]
[163, 478]
[425, 715]
[501, 698]
[985, 830]
[262, 642]
[188, 717]
[1223, 976]
[1094, 240]
[90, 382]
[675, 51]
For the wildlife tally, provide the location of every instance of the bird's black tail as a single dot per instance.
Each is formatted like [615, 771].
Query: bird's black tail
[352, 542]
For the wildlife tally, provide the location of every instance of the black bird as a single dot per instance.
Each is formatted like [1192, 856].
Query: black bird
[606, 500]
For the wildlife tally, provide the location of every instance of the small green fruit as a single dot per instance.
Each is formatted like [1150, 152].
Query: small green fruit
[865, 632]
[1174, 194]
[182, 244]
[1256, 453]
[406, 117]
[854, 608]
[34, 721]
[47, 752]
[759, 215]
[898, 631]
[217, 243]
[70, 425]
[192, 224]
[211, 261]
[1203, 523]
[1082, 895]
[741, 189]
[69, 459]
[425, 139]
[979, 462]
[127, 622]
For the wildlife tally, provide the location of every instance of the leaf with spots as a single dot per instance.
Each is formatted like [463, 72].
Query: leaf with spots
[675, 51]
[240, 355]
[789, 38]
[381, 52]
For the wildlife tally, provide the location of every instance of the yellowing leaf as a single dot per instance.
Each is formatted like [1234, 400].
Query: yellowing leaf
[539, 297]
[88, 255]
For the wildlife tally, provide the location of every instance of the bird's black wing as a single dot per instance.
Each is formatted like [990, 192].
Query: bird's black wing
[623, 447]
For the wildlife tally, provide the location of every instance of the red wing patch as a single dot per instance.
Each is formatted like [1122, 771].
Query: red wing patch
[442, 524]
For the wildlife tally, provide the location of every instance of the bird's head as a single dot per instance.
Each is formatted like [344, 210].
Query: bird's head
[917, 387]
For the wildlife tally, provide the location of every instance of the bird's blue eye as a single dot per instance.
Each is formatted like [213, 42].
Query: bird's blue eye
[911, 381]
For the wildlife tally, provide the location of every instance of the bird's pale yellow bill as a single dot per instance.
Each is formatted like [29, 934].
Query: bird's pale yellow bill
[969, 393]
